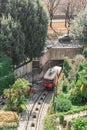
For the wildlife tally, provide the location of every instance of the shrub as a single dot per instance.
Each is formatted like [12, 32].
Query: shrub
[79, 123]
[61, 118]
[6, 73]
[50, 124]
[76, 96]
[85, 51]
[5, 66]
[16, 95]
[65, 84]
[62, 104]
[66, 66]
[64, 88]
[8, 120]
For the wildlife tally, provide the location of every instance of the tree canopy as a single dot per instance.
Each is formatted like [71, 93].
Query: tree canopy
[79, 27]
[23, 29]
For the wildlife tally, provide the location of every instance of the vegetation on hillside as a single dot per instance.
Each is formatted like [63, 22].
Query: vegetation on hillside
[16, 95]
[79, 27]
[73, 78]
[79, 123]
[71, 91]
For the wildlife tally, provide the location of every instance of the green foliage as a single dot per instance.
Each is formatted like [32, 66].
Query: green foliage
[66, 67]
[76, 109]
[6, 73]
[81, 78]
[79, 123]
[13, 128]
[85, 51]
[12, 39]
[5, 81]
[76, 96]
[81, 71]
[62, 104]
[64, 89]
[16, 95]
[61, 118]
[52, 36]
[76, 78]
[79, 27]
[49, 123]
[23, 29]
[5, 66]
[65, 84]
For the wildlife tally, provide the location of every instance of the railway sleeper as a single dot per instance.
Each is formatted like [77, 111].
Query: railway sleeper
[41, 98]
[33, 125]
[39, 103]
[37, 109]
[34, 116]
[44, 94]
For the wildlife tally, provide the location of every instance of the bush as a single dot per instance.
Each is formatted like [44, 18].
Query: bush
[65, 84]
[62, 104]
[16, 95]
[64, 88]
[6, 73]
[79, 123]
[66, 66]
[5, 66]
[61, 118]
[5, 81]
[85, 51]
[50, 124]
[76, 96]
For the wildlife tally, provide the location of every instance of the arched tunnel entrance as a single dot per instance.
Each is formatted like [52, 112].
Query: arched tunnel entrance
[52, 63]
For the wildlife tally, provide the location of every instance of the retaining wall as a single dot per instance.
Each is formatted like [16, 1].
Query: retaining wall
[60, 54]
[50, 55]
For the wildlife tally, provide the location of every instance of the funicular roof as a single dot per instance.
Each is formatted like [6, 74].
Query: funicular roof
[51, 72]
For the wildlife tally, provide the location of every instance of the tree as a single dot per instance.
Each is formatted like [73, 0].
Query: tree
[71, 8]
[18, 102]
[79, 27]
[28, 29]
[52, 6]
[3, 8]
[12, 39]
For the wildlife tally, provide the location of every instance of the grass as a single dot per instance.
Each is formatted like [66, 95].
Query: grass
[8, 128]
[52, 36]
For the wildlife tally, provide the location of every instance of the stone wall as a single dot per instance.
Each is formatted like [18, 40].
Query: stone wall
[51, 55]
[23, 70]
[60, 53]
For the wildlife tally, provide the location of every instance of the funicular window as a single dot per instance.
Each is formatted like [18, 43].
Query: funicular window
[48, 81]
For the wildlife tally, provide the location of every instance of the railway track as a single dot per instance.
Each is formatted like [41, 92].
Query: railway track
[42, 112]
[36, 110]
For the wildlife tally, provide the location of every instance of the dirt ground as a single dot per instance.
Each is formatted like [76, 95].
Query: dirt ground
[59, 26]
